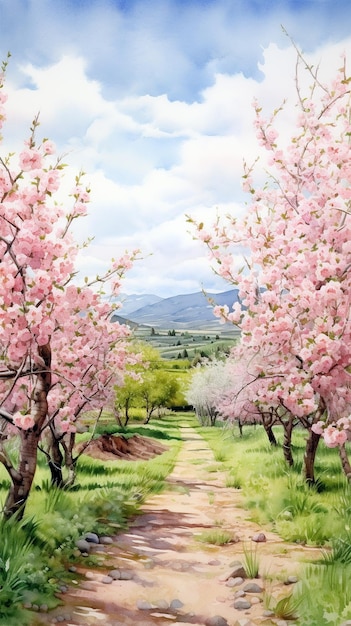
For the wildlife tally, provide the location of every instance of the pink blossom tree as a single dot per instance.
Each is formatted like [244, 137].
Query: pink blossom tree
[205, 389]
[59, 351]
[295, 285]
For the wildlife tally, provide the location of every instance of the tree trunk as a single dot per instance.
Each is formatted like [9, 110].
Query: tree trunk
[21, 483]
[288, 428]
[55, 462]
[240, 427]
[310, 455]
[345, 463]
[19, 491]
[270, 434]
[70, 462]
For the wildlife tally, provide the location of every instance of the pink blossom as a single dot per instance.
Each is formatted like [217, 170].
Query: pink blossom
[30, 159]
[23, 421]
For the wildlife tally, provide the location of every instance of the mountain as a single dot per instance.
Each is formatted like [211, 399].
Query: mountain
[187, 311]
[133, 302]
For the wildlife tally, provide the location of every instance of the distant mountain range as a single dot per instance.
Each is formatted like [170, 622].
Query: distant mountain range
[187, 311]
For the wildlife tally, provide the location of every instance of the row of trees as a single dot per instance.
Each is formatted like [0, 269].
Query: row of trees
[295, 285]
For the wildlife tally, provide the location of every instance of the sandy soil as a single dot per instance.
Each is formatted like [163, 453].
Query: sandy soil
[174, 577]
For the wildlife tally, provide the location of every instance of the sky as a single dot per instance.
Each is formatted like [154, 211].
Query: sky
[153, 100]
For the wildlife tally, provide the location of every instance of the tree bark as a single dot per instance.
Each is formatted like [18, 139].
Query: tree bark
[70, 461]
[270, 434]
[55, 462]
[345, 463]
[22, 482]
[288, 428]
[310, 455]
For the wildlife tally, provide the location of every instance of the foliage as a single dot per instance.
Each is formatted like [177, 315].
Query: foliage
[18, 570]
[216, 536]
[324, 594]
[285, 607]
[251, 560]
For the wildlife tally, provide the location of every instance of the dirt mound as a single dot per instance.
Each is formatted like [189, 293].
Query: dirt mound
[113, 447]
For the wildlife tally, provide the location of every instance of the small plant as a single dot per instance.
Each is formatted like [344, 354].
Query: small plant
[340, 551]
[233, 482]
[285, 607]
[16, 549]
[251, 558]
[325, 595]
[216, 537]
[220, 456]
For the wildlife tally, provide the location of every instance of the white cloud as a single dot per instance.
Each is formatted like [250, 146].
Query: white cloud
[154, 103]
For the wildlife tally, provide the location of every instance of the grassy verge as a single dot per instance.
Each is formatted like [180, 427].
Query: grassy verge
[277, 497]
[35, 555]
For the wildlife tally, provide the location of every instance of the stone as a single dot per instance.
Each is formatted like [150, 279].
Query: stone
[252, 588]
[115, 574]
[89, 575]
[91, 537]
[126, 575]
[241, 604]
[255, 600]
[243, 622]
[176, 604]
[144, 605]
[259, 537]
[239, 594]
[234, 582]
[238, 571]
[83, 546]
[106, 540]
[216, 620]
[107, 580]
[291, 580]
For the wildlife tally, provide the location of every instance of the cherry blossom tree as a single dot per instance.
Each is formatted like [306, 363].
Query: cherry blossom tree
[207, 386]
[59, 351]
[295, 284]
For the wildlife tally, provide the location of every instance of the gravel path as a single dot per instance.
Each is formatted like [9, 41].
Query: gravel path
[158, 572]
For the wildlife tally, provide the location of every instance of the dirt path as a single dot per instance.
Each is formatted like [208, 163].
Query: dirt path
[167, 574]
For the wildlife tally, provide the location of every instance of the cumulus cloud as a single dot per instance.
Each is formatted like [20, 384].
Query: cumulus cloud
[154, 103]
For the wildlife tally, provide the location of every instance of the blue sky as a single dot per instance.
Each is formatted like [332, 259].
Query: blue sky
[152, 98]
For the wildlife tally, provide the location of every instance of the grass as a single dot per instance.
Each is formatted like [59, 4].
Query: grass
[34, 555]
[251, 561]
[286, 607]
[215, 536]
[277, 498]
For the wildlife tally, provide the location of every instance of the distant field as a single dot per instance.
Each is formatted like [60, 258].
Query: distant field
[178, 344]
